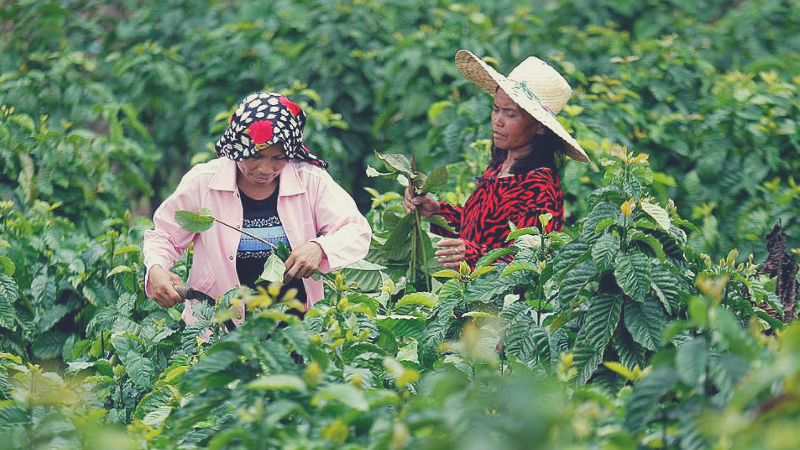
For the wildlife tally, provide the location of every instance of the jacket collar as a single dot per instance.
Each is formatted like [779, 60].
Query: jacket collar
[225, 178]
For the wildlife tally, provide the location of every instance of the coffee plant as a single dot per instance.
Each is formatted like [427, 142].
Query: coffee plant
[661, 316]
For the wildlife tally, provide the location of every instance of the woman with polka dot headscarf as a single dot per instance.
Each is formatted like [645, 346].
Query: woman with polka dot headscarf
[269, 184]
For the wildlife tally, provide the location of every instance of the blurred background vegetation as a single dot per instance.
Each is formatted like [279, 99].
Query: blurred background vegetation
[140, 91]
[105, 104]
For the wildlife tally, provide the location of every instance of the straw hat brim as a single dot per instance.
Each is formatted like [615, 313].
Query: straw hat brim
[488, 79]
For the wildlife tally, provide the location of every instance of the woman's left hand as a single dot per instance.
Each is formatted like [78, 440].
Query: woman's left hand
[303, 261]
[451, 253]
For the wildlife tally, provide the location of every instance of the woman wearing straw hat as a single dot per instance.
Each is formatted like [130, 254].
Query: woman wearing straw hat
[267, 183]
[521, 182]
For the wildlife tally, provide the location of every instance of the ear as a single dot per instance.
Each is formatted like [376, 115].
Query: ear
[539, 128]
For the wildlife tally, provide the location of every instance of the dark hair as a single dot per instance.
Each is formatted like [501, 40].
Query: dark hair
[548, 151]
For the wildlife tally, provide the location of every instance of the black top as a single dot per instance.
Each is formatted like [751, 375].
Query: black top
[261, 219]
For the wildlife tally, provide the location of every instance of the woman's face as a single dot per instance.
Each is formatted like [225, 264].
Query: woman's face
[260, 170]
[512, 127]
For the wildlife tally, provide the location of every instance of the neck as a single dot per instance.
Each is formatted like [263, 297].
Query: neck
[257, 192]
[512, 155]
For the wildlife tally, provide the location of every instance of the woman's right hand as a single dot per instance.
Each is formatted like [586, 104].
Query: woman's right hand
[425, 203]
[162, 286]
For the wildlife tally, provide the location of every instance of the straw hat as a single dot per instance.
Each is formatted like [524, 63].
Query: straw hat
[533, 85]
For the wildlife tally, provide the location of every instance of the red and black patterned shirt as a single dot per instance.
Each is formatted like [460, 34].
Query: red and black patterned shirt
[482, 223]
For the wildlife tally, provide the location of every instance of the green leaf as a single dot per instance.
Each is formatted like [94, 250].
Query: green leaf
[274, 269]
[194, 223]
[569, 256]
[645, 399]
[440, 221]
[586, 360]
[646, 322]
[119, 269]
[343, 393]
[140, 368]
[604, 251]
[492, 256]
[49, 345]
[658, 214]
[446, 273]
[601, 319]
[436, 179]
[127, 249]
[398, 245]
[630, 353]
[522, 232]
[575, 280]
[8, 266]
[395, 162]
[50, 317]
[632, 272]
[655, 244]
[691, 361]
[519, 264]
[426, 299]
[373, 173]
[8, 295]
[664, 284]
[279, 382]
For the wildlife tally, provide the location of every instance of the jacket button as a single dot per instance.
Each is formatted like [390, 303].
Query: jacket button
[230, 257]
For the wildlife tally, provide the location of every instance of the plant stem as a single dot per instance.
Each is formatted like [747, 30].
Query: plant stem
[262, 240]
[418, 229]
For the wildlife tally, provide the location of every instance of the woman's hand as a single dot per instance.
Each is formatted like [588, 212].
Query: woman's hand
[303, 261]
[162, 286]
[451, 253]
[426, 204]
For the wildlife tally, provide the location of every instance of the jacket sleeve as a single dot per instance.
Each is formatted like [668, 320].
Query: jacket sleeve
[167, 241]
[342, 231]
[452, 214]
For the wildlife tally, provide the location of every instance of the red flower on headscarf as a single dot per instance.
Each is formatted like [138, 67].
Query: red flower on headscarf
[261, 131]
[291, 105]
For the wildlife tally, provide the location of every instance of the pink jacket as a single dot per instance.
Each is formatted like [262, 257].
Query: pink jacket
[311, 206]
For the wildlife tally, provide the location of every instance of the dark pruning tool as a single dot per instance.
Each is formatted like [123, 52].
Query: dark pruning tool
[190, 293]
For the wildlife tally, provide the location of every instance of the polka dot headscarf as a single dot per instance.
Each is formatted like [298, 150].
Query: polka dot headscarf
[263, 119]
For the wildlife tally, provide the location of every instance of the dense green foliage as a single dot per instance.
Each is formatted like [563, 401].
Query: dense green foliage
[649, 321]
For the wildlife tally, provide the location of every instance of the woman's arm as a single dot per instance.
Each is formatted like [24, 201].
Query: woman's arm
[167, 241]
[343, 233]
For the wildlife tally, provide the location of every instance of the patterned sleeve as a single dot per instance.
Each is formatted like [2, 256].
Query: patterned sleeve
[541, 195]
[452, 214]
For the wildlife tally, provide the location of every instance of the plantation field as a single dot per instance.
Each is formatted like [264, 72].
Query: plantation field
[661, 316]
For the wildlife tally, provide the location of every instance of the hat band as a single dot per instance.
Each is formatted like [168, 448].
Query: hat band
[523, 86]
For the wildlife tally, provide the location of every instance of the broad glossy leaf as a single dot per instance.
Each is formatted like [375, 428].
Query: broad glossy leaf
[645, 400]
[586, 360]
[49, 345]
[426, 299]
[194, 222]
[601, 319]
[436, 179]
[632, 272]
[343, 393]
[658, 214]
[274, 269]
[8, 295]
[396, 162]
[604, 251]
[691, 361]
[646, 322]
[575, 280]
[651, 241]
